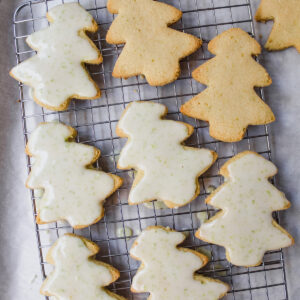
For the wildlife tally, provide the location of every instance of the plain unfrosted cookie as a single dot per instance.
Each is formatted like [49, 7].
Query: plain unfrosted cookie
[77, 275]
[57, 73]
[151, 47]
[229, 103]
[245, 226]
[168, 272]
[166, 170]
[73, 190]
[286, 28]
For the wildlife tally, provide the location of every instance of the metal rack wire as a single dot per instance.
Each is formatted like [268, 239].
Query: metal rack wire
[96, 120]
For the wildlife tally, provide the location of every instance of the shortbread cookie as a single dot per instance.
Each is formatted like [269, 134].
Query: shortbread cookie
[286, 29]
[166, 170]
[77, 275]
[229, 103]
[245, 226]
[73, 190]
[57, 73]
[168, 272]
[151, 47]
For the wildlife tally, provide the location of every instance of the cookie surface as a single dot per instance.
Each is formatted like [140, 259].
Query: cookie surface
[286, 28]
[166, 170]
[77, 275]
[245, 226]
[168, 272]
[73, 191]
[57, 73]
[151, 47]
[229, 103]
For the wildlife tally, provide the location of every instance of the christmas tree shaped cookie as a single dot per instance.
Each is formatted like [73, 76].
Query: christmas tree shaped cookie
[168, 272]
[73, 191]
[151, 47]
[166, 170]
[57, 73]
[229, 103]
[286, 29]
[245, 226]
[77, 275]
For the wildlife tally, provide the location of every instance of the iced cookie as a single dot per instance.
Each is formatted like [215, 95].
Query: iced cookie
[286, 29]
[151, 47]
[77, 275]
[73, 190]
[57, 73]
[168, 272]
[166, 169]
[229, 103]
[245, 226]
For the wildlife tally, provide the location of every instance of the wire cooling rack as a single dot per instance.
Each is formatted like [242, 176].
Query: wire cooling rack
[96, 120]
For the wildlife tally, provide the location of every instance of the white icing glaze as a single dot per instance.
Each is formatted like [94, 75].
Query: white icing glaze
[167, 272]
[56, 72]
[72, 192]
[75, 276]
[245, 226]
[168, 169]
